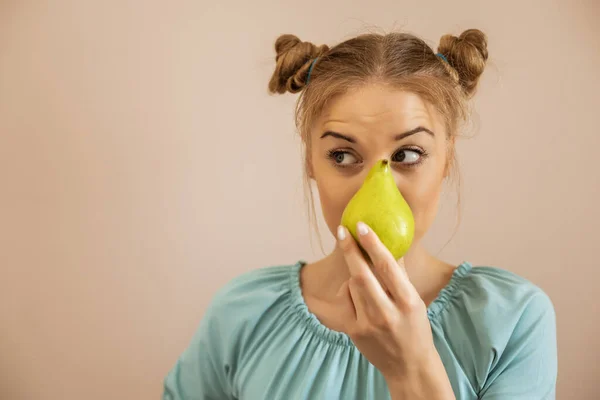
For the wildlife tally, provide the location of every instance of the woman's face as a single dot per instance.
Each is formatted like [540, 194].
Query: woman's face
[369, 124]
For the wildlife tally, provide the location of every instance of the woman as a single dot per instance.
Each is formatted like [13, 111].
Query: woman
[357, 325]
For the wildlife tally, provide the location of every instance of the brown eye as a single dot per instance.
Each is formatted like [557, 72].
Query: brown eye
[342, 157]
[406, 156]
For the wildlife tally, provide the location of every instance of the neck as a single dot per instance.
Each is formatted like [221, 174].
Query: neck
[427, 273]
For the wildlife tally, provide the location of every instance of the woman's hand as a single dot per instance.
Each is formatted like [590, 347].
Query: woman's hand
[390, 326]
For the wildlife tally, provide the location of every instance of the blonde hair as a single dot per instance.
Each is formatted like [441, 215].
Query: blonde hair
[446, 80]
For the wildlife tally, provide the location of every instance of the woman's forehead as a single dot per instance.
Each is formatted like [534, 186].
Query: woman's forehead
[376, 104]
[376, 108]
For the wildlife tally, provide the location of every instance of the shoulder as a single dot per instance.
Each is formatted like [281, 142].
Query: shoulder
[519, 324]
[504, 284]
[488, 292]
[498, 307]
[250, 294]
[504, 292]
[491, 304]
[256, 282]
[208, 363]
[498, 323]
[511, 300]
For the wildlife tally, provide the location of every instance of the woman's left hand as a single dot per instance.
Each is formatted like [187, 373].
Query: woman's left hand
[391, 328]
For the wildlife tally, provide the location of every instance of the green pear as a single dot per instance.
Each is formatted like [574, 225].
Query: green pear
[379, 204]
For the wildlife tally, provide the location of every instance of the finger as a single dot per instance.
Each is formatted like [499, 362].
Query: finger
[357, 264]
[383, 285]
[391, 272]
[370, 263]
[367, 293]
[368, 307]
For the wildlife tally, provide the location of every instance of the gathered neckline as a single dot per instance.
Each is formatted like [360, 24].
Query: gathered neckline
[342, 339]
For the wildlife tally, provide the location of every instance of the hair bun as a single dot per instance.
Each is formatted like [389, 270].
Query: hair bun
[468, 55]
[293, 59]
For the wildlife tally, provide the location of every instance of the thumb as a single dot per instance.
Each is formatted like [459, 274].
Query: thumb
[345, 298]
[343, 291]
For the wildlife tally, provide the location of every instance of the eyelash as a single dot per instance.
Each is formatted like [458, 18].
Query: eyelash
[422, 156]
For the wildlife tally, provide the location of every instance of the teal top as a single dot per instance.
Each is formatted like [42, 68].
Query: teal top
[494, 331]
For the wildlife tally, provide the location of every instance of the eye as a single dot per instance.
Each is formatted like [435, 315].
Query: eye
[407, 156]
[344, 158]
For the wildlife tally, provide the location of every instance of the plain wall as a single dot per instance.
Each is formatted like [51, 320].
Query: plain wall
[143, 165]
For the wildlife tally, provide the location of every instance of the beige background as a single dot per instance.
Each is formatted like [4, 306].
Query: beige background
[142, 165]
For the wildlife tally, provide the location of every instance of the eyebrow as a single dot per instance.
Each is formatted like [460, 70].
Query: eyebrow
[397, 137]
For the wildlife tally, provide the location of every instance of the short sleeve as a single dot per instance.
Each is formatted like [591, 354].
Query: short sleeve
[201, 371]
[527, 367]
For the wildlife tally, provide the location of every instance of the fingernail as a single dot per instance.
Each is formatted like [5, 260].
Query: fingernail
[341, 233]
[362, 228]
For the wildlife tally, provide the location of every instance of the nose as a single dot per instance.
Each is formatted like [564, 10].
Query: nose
[380, 158]
[383, 161]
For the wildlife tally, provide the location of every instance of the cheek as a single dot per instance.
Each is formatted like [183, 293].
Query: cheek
[334, 195]
[423, 197]
[424, 206]
[334, 190]
[423, 189]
